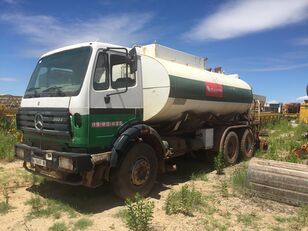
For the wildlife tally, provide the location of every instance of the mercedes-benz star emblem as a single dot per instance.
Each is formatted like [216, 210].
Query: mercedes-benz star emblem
[38, 121]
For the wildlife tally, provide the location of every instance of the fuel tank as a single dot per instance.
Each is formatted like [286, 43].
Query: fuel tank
[175, 82]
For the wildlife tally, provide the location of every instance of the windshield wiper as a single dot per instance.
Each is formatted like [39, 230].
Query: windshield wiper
[52, 88]
[35, 94]
[57, 89]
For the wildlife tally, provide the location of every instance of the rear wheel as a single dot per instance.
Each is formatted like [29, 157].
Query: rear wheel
[231, 148]
[136, 172]
[247, 144]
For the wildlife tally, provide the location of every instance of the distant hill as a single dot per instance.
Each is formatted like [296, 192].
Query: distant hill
[12, 102]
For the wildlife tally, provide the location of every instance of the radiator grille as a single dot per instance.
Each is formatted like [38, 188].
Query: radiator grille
[55, 121]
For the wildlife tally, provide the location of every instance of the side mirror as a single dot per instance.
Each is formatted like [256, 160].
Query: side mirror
[133, 60]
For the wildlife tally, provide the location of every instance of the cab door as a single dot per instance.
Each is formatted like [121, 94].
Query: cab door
[111, 105]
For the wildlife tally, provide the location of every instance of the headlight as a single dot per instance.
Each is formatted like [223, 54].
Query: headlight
[66, 163]
[20, 153]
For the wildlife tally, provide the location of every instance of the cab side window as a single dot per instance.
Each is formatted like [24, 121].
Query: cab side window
[118, 72]
[101, 80]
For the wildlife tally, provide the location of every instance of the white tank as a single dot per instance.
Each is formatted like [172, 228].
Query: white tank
[175, 82]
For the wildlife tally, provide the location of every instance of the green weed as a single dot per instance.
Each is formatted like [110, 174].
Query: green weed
[281, 219]
[4, 207]
[224, 188]
[210, 223]
[138, 213]
[199, 176]
[36, 203]
[277, 228]
[283, 140]
[247, 219]
[184, 201]
[58, 226]
[5, 193]
[121, 214]
[239, 178]
[37, 180]
[7, 142]
[47, 208]
[219, 163]
[302, 216]
[83, 224]
[216, 225]
[293, 158]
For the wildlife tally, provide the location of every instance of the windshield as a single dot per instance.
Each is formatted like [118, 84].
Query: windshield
[59, 74]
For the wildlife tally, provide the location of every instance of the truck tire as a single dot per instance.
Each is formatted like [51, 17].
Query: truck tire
[247, 144]
[231, 148]
[136, 172]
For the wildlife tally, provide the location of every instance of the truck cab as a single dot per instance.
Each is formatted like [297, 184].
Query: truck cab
[73, 109]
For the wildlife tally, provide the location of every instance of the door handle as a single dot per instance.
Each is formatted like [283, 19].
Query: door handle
[107, 99]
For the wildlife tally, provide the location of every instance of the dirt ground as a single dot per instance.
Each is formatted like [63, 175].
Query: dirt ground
[230, 210]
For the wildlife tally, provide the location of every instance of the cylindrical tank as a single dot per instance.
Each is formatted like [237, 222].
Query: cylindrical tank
[175, 82]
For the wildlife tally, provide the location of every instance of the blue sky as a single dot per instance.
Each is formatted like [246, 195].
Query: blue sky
[264, 41]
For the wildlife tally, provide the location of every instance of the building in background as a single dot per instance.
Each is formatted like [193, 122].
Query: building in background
[273, 106]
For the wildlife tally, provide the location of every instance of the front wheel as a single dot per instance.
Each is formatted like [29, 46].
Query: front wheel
[136, 172]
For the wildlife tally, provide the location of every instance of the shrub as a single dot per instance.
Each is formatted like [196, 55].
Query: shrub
[302, 216]
[184, 201]
[224, 188]
[138, 214]
[58, 226]
[7, 142]
[82, 224]
[239, 178]
[4, 205]
[47, 208]
[284, 140]
[219, 163]
[247, 219]
[293, 158]
[36, 203]
[199, 176]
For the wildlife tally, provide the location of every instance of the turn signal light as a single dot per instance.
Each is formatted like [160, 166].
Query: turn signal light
[77, 120]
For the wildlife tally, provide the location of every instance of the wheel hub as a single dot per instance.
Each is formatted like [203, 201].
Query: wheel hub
[140, 172]
[231, 148]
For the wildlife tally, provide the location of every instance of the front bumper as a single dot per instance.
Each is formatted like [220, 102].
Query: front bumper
[47, 163]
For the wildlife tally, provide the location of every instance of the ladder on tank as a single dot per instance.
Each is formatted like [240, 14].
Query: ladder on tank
[255, 112]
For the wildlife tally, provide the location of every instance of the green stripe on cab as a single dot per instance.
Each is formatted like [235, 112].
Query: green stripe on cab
[100, 127]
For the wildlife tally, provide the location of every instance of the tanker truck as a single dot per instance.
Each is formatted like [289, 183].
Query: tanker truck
[96, 112]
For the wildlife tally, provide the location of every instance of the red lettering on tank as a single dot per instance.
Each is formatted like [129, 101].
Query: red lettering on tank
[213, 89]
